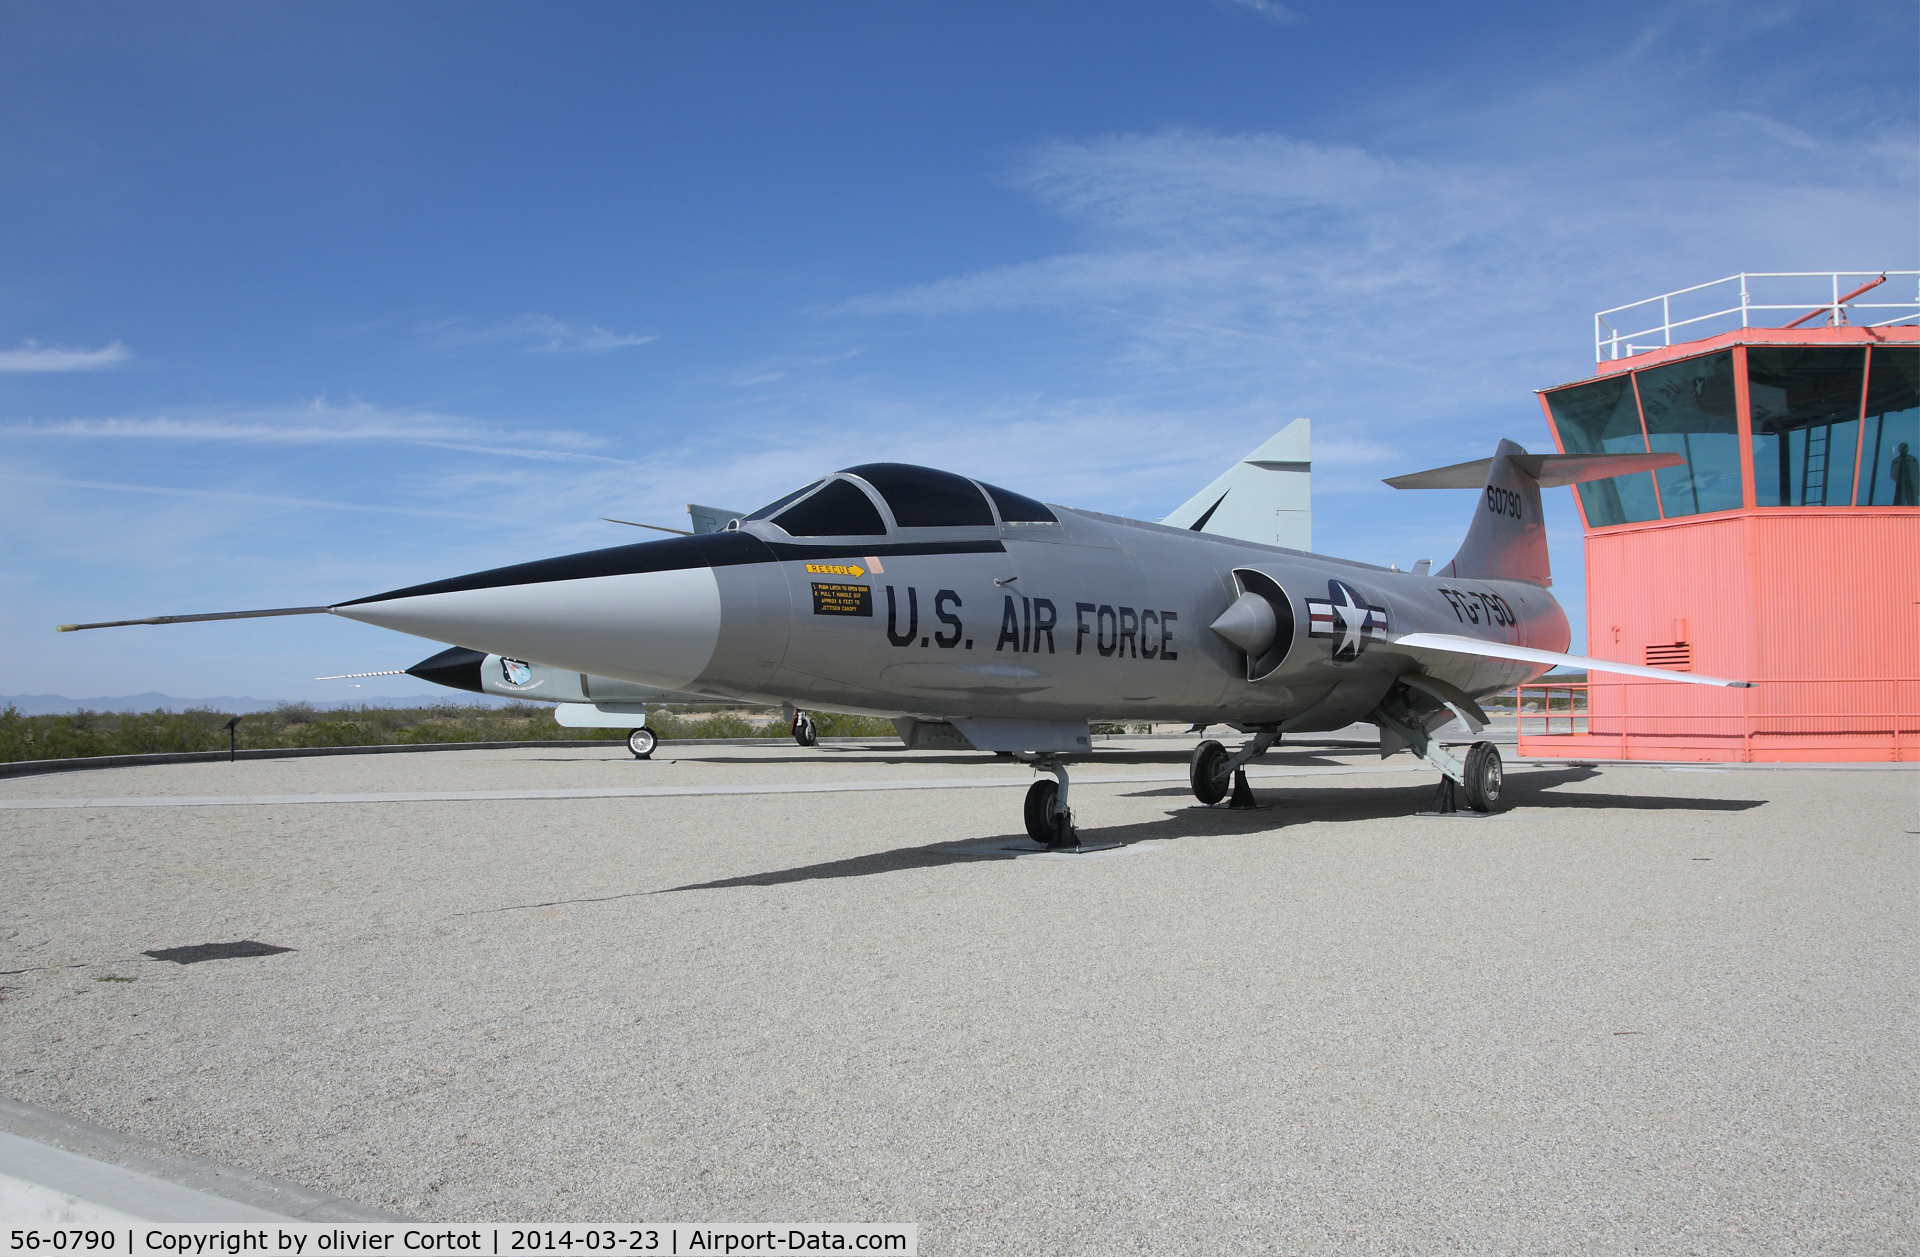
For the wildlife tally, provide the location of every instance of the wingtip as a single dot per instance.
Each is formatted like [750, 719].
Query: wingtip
[65, 628]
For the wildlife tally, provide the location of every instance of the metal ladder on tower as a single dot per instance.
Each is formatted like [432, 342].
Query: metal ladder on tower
[1813, 469]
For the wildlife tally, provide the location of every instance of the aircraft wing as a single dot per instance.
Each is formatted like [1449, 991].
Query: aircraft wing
[1527, 654]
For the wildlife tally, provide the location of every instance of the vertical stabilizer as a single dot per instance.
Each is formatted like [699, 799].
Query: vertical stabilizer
[1265, 497]
[1507, 539]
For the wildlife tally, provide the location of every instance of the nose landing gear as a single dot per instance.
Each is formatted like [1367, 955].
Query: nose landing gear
[1049, 822]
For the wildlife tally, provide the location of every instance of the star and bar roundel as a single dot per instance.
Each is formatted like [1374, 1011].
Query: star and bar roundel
[1346, 616]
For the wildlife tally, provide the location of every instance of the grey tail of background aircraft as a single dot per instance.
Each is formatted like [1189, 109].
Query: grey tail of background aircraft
[1266, 497]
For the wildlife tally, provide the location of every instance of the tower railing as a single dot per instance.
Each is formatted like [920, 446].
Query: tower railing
[1833, 295]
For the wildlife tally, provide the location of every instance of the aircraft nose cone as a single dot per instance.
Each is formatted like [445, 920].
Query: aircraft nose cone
[1249, 624]
[654, 628]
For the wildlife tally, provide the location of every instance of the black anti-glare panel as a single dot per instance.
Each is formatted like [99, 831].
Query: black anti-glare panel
[1018, 509]
[921, 497]
[839, 510]
[714, 549]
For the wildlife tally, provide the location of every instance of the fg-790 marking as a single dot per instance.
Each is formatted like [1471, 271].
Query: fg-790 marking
[1475, 607]
[715, 614]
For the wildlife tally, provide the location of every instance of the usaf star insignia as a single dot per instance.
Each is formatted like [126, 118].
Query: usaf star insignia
[1347, 617]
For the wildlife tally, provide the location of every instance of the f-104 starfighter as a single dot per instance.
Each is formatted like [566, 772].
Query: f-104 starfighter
[895, 590]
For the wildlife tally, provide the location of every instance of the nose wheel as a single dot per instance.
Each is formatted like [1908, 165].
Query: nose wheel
[1049, 822]
[641, 742]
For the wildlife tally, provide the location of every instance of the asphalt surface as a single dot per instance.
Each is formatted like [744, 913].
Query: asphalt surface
[1647, 1010]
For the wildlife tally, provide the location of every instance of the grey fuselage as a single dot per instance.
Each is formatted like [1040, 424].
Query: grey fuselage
[1093, 617]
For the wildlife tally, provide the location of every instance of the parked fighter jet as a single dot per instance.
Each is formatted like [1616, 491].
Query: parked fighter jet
[1271, 492]
[894, 590]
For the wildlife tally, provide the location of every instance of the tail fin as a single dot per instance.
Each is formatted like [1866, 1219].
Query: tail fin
[1508, 538]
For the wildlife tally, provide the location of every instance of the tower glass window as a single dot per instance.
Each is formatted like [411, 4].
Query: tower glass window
[1806, 423]
[1890, 444]
[1690, 410]
[1601, 418]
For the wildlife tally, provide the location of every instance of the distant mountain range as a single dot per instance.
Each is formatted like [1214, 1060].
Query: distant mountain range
[60, 704]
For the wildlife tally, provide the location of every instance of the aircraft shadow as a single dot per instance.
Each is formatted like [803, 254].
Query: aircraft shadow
[978, 759]
[1289, 807]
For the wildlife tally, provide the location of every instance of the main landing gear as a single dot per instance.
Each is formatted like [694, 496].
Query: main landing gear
[641, 742]
[1478, 777]
[1212, 768]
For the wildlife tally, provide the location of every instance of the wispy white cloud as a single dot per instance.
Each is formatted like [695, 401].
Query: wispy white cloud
[277, 500]
[33, 356]
[322, 423]
[1272, 10]
[1418, 289]
[540, 333]
[549, 335]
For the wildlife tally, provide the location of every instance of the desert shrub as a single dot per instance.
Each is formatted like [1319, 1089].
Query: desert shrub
[832, 724]
[82, 734]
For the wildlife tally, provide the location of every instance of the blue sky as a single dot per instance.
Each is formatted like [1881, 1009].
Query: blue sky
[303, 302]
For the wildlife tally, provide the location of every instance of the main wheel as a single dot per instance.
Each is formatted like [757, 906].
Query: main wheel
[1046, 824]
[803, 731]
[1207, 772]
[641, 742]
[1483, 777]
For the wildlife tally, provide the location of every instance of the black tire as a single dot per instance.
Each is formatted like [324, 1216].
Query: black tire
[1484, 777]
[641, 742]
[803, 730]
[1206, 773]
[1045, 824]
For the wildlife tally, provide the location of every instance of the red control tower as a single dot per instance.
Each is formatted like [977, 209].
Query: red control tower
[1785, 550]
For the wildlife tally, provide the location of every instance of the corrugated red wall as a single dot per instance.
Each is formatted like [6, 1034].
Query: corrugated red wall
[1821, 608]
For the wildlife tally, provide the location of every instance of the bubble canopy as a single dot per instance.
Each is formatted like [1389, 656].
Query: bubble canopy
[917, 497]
[1813, 426]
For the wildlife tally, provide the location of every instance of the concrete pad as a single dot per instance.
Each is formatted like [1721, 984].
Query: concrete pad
[1645, 1012]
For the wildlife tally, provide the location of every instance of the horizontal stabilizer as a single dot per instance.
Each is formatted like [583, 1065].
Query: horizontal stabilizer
[1551, 470]
[1527, 654]
[189, 619]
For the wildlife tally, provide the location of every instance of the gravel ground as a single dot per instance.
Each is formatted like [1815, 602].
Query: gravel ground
[1647, 1011]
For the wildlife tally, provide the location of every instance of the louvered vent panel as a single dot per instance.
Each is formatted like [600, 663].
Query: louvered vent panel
[1675, 655]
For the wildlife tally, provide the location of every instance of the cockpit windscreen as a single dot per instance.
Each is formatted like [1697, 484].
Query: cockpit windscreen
[779, 502]
[839, 510]
[921, 497]
[1018, 509]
